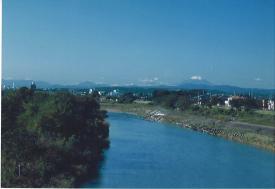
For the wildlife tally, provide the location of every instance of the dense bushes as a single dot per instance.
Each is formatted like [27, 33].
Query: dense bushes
[50, 140]
[127, 98]
[247, 103]
[175, 99]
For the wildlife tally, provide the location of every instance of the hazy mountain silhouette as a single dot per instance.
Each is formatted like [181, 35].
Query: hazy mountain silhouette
[195, 84]
[43, 84]
[187, 84]
[204, 84]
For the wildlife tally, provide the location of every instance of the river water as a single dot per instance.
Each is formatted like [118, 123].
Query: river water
[149, 154]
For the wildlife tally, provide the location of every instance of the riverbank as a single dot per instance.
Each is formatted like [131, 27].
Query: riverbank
[257, 135]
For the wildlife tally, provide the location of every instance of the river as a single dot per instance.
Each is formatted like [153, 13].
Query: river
[150, 154]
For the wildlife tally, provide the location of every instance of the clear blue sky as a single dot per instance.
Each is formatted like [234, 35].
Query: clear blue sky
[140, 41]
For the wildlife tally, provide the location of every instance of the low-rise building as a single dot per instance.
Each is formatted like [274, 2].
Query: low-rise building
[91, 91]
[270, 105]
[227, 102]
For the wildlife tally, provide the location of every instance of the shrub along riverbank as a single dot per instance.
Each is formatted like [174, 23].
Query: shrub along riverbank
[223, 124]
[50, 140]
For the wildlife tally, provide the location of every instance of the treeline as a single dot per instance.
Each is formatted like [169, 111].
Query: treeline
[129, 97]
[176, 99]
[184, 99]
[246, 103]
[50, 140]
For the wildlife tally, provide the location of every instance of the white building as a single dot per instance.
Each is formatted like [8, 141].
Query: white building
[115, 92]
[270, 105]
[227, 102]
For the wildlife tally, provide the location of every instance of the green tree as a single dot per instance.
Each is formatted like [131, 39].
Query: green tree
[50, 140]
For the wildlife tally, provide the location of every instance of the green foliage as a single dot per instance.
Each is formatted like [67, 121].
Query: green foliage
[127, 98]
[174, 99]
[247, 103]
[50, 140]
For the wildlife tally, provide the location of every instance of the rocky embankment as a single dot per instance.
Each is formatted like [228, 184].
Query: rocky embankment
[257, 135]
[204, 126]
[154, 115]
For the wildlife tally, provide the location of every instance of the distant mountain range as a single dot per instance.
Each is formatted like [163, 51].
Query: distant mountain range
[195, 84]
[188, 84]
[204, 84]
[43, 84]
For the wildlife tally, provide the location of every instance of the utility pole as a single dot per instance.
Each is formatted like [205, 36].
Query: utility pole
[19, 170]
[198, 98]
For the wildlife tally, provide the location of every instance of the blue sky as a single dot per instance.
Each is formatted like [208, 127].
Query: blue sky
[140, 41]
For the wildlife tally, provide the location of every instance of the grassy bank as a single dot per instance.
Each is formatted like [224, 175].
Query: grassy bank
[259, 135]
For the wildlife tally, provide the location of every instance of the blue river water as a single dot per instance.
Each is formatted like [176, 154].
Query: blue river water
[149, 154]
